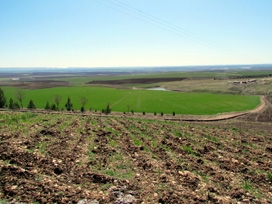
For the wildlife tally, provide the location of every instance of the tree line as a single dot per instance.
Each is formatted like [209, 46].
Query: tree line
[55, 106]
[20, 96]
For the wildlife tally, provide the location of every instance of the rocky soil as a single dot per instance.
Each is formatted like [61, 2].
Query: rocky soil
[47, 158]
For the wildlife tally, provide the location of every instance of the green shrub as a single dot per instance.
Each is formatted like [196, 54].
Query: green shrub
[107, 110]
[269, 176]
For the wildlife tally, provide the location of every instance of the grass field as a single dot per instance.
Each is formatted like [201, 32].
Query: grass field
[140, 100]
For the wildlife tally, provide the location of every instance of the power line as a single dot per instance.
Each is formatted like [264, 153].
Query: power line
[165, 25]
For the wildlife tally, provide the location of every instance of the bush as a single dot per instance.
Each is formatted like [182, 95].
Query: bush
[269, 176]
[107, 110]
[155, 113]
[16, 105]
[132, 112]
[161, 113]
[13, 105]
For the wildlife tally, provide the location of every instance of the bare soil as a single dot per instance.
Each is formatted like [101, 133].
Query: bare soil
[263, 113]
[136, 81]
[75, 159]
[37, 84]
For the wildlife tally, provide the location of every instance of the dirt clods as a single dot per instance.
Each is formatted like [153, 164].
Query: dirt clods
[76, 159]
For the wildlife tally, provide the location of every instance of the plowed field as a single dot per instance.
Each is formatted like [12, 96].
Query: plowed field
[137, 81]
[89, 159]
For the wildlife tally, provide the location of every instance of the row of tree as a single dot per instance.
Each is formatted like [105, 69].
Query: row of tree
[19, 95]
[55, 106]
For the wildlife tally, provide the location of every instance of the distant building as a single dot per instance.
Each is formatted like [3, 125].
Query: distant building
[252, 80]
[15, 79]
[248, 81]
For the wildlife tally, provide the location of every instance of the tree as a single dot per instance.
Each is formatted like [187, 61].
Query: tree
[31, 105]
[69, 104]
[108, 109]
[47, 106]
[11, 104]
[57, 99]
[2, 99]
[83, 101]
[53, 107]
[20, 94]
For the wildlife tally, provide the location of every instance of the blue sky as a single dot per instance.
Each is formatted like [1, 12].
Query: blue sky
[112, 33]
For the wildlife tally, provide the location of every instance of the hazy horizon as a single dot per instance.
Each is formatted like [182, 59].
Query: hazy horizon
[138, 68]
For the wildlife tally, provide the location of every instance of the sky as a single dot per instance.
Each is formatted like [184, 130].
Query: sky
[123, 33]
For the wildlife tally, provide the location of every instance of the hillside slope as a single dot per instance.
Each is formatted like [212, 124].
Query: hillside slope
[68, 158]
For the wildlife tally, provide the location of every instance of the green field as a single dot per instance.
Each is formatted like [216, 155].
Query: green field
[140, 100]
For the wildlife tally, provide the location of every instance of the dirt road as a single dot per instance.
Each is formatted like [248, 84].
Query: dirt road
[265, 104]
